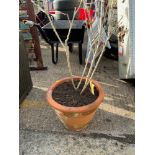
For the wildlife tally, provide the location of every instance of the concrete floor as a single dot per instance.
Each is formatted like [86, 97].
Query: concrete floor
[112, 130]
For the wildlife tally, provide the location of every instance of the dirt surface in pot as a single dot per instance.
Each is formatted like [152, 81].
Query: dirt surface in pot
[65, 95]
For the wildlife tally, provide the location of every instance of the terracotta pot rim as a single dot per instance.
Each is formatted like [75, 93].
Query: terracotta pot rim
[85, 108]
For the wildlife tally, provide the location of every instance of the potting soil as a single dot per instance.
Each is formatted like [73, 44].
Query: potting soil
[65, 95]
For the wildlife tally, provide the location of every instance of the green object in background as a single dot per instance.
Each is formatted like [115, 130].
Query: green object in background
[27, 36]
[23, 26]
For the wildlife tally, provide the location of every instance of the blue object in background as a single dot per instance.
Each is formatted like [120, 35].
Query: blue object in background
[27, 36]
[23, 26]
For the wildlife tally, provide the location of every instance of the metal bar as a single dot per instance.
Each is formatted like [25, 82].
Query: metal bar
[54, 53]
[80, 53]
[70, 47]
[37, 68]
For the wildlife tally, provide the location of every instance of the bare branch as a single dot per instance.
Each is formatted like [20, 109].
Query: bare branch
[64, 45]
[93, 37]
[109, 35]
[98, 40]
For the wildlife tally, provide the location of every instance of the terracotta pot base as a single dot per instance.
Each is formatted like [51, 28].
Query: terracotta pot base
[75, 118]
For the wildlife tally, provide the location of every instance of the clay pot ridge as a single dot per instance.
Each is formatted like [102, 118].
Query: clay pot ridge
[85, 108]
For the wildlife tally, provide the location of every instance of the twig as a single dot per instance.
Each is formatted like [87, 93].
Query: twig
[93, 42]
[86, 84]
[97, 47]
[109, 35]
[67, 49]
[89, 51]
[64, 45]
[50, 22]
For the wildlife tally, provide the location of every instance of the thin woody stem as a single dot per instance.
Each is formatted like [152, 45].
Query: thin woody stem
[50, 22]
[93, 42]
[89, 51]
[67, 49]
[88, 80]
[96, 50]
[64, 45]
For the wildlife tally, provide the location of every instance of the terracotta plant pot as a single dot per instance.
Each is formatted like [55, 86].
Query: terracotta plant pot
[75, 118]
